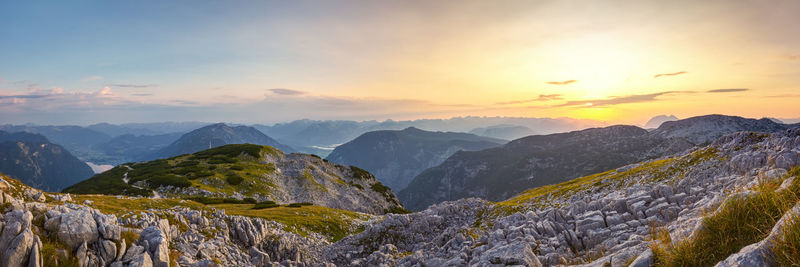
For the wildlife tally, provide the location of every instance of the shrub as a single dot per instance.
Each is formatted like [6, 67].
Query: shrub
[237, 167]
[299, 204]
[233, 179]
[169, 179]
[396, 210]
[265, 205]
[360, 173]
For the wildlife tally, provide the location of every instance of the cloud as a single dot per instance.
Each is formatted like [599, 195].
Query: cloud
[141, 94]
[792, 57]
[282, 91]
[21, 96]
[92, 78]
[562, 82]
[727, 90]
[540, 98]
[669, 74]
[183, 102]
[105, 92]
[616, 100]
[132, 85]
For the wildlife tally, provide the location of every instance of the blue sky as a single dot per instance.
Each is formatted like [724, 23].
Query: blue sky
[134, 61]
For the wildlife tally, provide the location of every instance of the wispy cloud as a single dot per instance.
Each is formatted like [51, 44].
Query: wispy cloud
[141, 94]
[791, 57]
[562, 82]
[669, 74]
[616, 100]
[540, 98]
[91, 78]
[132, 85]
[730, 90]
[21, 96]
[283, 91]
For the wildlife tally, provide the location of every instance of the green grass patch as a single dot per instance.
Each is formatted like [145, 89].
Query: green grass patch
[740, 221]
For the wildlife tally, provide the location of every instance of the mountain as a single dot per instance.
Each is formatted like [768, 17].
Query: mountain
[727, 204]
[656, 121]
[704, 129]
[78, 140]
[247, 171]
[504, 131]
[498, 173]
[320, 137]
[128, 147]
[39, 163]
[686, 209]
[396, 157]
[217, 135]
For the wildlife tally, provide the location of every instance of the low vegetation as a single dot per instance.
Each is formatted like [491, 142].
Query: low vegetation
[740, 221]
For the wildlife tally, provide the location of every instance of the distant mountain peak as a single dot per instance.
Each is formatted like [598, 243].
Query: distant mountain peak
[656, 121]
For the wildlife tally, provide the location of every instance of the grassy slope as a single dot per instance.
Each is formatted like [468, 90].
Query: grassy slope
[227, 169]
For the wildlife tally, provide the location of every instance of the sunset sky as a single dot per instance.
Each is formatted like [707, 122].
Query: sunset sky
[83, 62]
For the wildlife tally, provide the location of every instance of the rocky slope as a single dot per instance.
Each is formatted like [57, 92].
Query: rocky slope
[396, 157]
[605, 219]
[262, 173]
[217, 135]
[702, 130]
[501, 172]
[39, 163]
[599, 220]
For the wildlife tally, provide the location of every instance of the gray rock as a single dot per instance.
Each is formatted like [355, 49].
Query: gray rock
[141, 260]
[107, 250]
[18, 251]
[517, 253]
[157, 244]
[35, 258]
[77, 226]
[643, 260]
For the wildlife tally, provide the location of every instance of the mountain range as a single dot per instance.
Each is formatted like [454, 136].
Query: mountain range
[533, 161]
[396, 157]
[731, 203]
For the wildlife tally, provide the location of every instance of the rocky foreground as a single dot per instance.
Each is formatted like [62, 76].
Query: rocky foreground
[599, 220]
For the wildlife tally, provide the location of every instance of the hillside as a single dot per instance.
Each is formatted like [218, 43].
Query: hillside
[247, 171]
[396, 157]
[498, 173]
[217, 135]
[731, 203]
[702, 130]
[39, 163]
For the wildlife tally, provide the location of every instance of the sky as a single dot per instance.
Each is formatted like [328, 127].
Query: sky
[82, 62]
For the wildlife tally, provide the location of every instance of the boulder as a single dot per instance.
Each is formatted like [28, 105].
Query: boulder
[77, 226]
[156, 243]
[517, 253]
